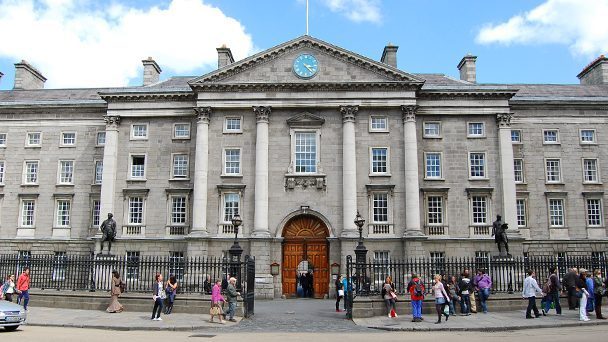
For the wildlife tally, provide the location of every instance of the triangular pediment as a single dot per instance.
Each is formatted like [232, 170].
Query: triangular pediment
[305, 119]
[273, 68]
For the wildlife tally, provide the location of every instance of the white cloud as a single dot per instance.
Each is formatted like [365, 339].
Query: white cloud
[580, 24]
[76, 43]
[356, 10]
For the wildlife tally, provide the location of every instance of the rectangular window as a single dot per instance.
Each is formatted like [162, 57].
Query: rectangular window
[380, 207]
[587, 136]
[138, 166]
[34, 139]
[516, 136]
[95, 213]
[518, 167]
[379, 124]
[139, 131]
[68, 139]
[433, 165]
[132, 265]
[556, 212]
[233, 125]
[181, 131]
[381, 257]
[60, 261]
[101, 138]
[63, 213]
[306, 152]
[2, 139]
[479, 206]
[553, 171]
[550, 136]
[98, 171]
[521, 212]
[434, 216]
[594, 212]
[477, 161]
[476, 130]
[177, 264]
[231, 206]
[66, 172]
[482, 260]
[179, 208]
[232, 161]
[136, 210]
[1, 172]
[590, 171]
[30, 172]
[180, 166]
[28, 212]
[379, 160]
[437, 263]
[432, 130]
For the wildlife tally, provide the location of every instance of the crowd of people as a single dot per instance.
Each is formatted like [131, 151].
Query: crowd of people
[9, 288]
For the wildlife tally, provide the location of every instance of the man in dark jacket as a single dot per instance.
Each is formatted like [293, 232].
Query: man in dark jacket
[555, 288]
[569, 283]
[232, 295]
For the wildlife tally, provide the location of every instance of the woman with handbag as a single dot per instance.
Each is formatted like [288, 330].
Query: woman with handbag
[599, 292]
[441, 299]
[115, 292]
[388, 291]
[216, 298]
[339, 292]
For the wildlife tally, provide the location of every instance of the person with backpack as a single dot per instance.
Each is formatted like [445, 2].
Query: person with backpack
[117, 289]
[416, 289]
[552, 288]
[529, 293]
[465, 287]
[389, 296]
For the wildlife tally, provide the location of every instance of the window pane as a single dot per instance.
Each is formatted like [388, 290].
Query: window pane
[306, 152]
[2, 139]
[478, 165]
[2, 172]
[480, 209]
[518, 167]
[553, 170]
[231, 206]
[515, 135]
[95, 213]
[590, 170]
[178, 210]
[101, 138]
[182, 131]
[63, 213]
[476, 129]
[587, 135]
[233, 161]
[140, 131]
[27, 213]
[379, 123]
[233, 124]
[136, 210]
[31, 172]
[550, 136]
[435, 210]
[380, 207]
[379, 160]
[521, 212]
[33, 138]
[594, 212]
[132, 265]
[138, 166]
[431, 129]
[556, 212]
[68, 138]
[98, 172]
[67, 171]
[433, 165]
[180, 166]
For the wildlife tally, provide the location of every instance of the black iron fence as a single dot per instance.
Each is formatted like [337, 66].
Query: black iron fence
[507, 274]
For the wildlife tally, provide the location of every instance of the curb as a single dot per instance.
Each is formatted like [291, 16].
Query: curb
[115, 328]
[489, 329]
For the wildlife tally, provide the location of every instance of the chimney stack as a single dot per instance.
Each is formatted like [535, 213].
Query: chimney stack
[27, 77]
[389, 55]
[468, 70]
[596, 72]
[151, 71]
[224, 56]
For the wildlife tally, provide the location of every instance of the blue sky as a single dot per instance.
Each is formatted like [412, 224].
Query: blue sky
[83, 43]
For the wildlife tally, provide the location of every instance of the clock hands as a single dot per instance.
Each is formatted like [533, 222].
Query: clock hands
[308, 67]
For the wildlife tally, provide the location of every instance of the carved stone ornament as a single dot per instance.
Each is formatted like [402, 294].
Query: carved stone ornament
[305, 182]
[504, 120]
[262, 113]
[408, 113]
[111, 121]
[349, 113]
[203, 114]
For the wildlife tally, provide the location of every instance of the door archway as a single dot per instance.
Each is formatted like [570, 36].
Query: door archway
[305, 239]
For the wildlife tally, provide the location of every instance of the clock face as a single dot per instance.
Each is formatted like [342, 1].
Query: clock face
[305, 66]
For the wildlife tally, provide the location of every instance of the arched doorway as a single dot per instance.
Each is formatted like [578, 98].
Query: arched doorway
[305, 243]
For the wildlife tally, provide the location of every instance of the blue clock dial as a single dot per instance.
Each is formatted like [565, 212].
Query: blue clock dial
[305, 66]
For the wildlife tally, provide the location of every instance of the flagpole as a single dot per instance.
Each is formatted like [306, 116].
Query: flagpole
[307, 17]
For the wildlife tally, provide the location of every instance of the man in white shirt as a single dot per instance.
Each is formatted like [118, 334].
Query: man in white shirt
[529, 292]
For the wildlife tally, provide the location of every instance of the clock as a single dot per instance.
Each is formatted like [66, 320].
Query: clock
[305, 66]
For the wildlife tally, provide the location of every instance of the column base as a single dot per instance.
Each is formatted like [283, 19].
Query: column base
[198, 234]
[264, 234]
[349, 233]
[414, 233]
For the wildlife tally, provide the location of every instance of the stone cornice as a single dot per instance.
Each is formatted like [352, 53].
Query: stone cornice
[147, 97]
[459, 94]
[304, 86]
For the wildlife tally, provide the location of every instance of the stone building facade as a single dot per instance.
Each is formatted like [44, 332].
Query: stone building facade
[297, 139]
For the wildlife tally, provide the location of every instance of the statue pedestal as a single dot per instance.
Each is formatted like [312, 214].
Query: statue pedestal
[501, 270]
[104, 264]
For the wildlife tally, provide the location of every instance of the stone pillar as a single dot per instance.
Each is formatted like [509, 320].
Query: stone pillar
[507, 173]
[260, 216]
[110, 161]
[412, 188]
[349, 171]
[201, 168]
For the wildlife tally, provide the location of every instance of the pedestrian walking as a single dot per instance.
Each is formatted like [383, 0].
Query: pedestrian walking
[465, 287]
[441, 299]
[339, 292]
[529, 292]
[159, 296]
[569, 284]
[599, 292]
[23, 288]
[416, 289]
[117, 289]
[389, 296]
[232, 295]
[552, 290]
[591, 289]
[483, 284]
[216, 298]
[581, 292]
[347, 285]
[8, 288]
[170, 291]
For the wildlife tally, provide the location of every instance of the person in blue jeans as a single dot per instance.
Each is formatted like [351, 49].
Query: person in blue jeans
[416, 289]
[464, 291]
[553, 296]
[483, 284]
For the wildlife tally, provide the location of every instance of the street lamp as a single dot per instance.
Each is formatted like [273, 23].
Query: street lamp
[359, 221]
[236, 250]
[361, 255]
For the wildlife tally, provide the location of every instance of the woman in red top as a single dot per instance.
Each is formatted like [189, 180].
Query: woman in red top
[23, 286]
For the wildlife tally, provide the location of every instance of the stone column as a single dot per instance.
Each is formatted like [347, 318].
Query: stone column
[507, 173]
[349, 171]
[201, 169]
[412, 188]
[110, 161]
[260, 216]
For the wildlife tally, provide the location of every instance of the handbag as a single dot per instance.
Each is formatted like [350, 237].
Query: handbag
[393, 295]
[340, 293]
[578, 293]
[446, 310]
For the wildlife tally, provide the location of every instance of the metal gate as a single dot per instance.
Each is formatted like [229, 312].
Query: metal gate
[249, 291]
[349, 296]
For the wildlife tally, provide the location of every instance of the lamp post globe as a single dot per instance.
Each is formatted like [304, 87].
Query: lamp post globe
[359, 222]
[236, 250]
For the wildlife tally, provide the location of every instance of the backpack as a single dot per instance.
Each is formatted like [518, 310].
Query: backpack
[418, 288]
[547, 286]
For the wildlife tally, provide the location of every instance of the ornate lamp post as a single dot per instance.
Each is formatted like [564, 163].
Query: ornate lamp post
[236, 250]
[361, 255]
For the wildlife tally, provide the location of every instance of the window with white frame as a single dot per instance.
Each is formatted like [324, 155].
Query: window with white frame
[550, 136]
[132, 265]
[518, 168]
[180, 166]
[379, 160]
[139, 131]
[594, 212]
[482, 260]
[2, 139]
[231, 203]
[181, 131]
[2, 172]
[479, 210]
[98, 171]
[305, 152]
[138, 166]
[95, 213]
[434, 210]
[381, 257]
[177, 265]
[378, 123]
[520, 205]
[30, 172]
[553, 171]
[63, 207]
[437, 263]
[432, 129]
[28, 213]
[477, 165]
[590, 171]
[179, 210]
[233, 125]
[432, 165]
[66, 172]
[68, 139]
[33, 139]
[516, 136]
[587, 136]
[101, 138]
[232, 161]
[379, 207]
[135, 210]
[556, 212]
[476, 130]
[60, 263]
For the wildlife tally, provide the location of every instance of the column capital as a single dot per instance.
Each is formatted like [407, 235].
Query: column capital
[503, 120]
[408, 113]
[349, 113]
[203, 114]
[262, 113]
[112, 121]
